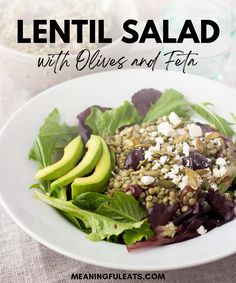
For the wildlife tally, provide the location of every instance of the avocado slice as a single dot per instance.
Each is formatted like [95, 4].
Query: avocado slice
[86, 165]
[72, 154]
[98, 180]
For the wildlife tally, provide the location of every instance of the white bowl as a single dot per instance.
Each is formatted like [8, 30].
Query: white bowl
[46, 225]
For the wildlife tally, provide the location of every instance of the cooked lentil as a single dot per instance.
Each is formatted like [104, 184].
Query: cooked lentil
[166, 160]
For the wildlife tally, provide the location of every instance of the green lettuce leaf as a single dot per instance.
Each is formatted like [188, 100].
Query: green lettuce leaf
[100, 227]
[106, 123]
[41, 186]
[136, 235]
[74, 221]
[60, 193]
[213, 119]
[170, 101]
[52, 136]
[123, 208]
[90, 200]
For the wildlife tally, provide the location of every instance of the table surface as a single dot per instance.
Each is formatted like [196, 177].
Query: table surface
[25, 260]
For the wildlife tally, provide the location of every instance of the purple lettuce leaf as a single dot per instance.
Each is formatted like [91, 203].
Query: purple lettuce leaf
[182, 218]
[84, 130]
[199, 209]
[206, 128]
[186, 231]
[190, 225]
[214, 211]
[144, 99]
[160, 214]
[157, 242]
[222, 208]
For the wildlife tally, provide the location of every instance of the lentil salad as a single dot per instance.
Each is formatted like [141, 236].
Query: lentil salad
[171, 177]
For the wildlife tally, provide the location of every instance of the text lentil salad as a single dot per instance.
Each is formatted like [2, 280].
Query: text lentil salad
[170, 178]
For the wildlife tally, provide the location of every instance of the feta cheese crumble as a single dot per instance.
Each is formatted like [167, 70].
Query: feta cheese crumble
[180, 131]
[148, 155]
[195, 131]
[154, 134]
[163, 159]
[214, 186]
[201, 230]
[147, 180]
[170, 148]
[223, 171]
[175, 168]
[164, 170]
[221, 161]
[176, 180]
[216, 173]
[186, 149]
[166, 129]
[170, 175]
[219, 172]
[183, 183]
[174, 119]
[159, 140]
[155, 148]
[156, 166]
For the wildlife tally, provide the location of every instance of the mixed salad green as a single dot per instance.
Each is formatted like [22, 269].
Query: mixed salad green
[119, 218]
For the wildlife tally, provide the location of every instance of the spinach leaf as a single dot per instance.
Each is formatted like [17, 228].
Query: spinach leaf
[101, 227]
[123, 208]
[106, 123]
[170, 101]
[52, 135]
[213, 119]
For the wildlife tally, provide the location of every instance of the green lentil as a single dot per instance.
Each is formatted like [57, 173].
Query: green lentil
[117, 184]
[125, 186]
[152, 191]
[192, 201]
[149, 204]
[185, 200]
[184, 208]
[165, 199]
[189, 194]
[164, 191]
[148, 198]
[155, 199]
